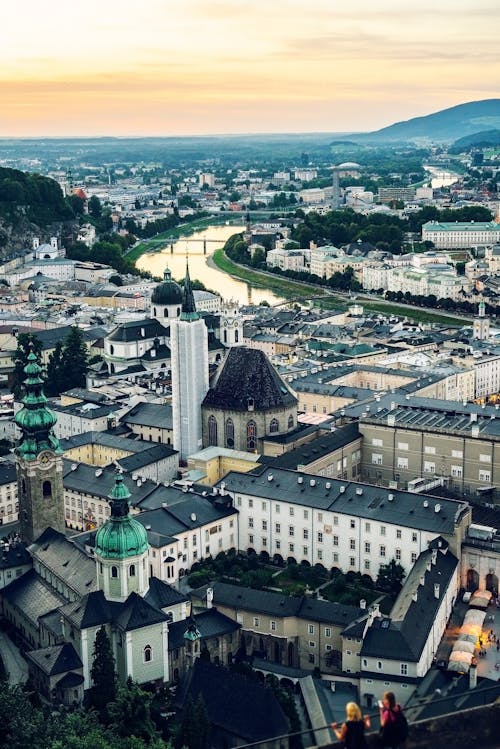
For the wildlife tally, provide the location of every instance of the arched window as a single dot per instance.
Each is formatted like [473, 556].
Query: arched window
[131, 570]
[178, 311]
[148, 654]
[114, 571]
[154, 311]
[212, 430]
[47, 489]
[23, 486]
[274, 426]
[251, 435]
[111, 349]
[236, 336]
[290, 422]
[225, 336]
[165, 312]
[229, 433]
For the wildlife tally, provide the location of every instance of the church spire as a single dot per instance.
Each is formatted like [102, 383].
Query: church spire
[35, 418]
[188, 305]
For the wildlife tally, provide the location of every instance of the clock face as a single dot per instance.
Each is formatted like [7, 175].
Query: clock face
[45, 458]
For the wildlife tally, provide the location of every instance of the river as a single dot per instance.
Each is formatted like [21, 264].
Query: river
[441, 178]
[199, 268]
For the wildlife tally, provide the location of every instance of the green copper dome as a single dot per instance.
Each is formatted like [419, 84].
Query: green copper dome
[167, 292]
[35, 418]
[121, 536]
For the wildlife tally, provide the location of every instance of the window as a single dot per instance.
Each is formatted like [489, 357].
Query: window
[256, 621]
[456, 472]
[277, 527]
[250, 522]
[277, 509]
[278, 544]
[291, 511]
[382, 530]
[377, 442]
[328, 631]
[305, 551]
[273, 626]
[379, 665]
[414, 538]
[312, 644]
[264, 506]
[382, 551]
[274, 426]
[429, 467]
[352, 543]
[335, 556]
[485, 476]
[457, 454]
[291, 547]
[367, 564]
[398, 532]
[352, 562]
[212, 430]
[47, 489]
[305, 533]
[402, 462]
[264, 525]
[367, 547]
[320, 537]
[484, 458]
[291, 530]
[229, 433]
[251, 435]
[250, 538]
[404, 669]
[320, 517]
[335, 519]
[306, 514]
[429, 450]
[335, 540]
[367, 527]
[377, 459]
[319, 553]
[402, 445]
[250, 502]
[352, 523]
[413, 557]
[131, 570]
[148, 654]
[398, 554]
[310, 629]
[311, 657]
[114, 571]
[264, 541]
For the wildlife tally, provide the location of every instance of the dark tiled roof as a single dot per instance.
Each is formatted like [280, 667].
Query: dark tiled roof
[8, 472]
[161, 595]
[279, 605]
[318, 448]
[150, 415]
[132, 331]
[146, 457]
[248, 376]
[66, 560]
[135, 613]
[210, 623]
[31, 595]
[56, 659]
[15, 556]
[403, 635]
[237, 705]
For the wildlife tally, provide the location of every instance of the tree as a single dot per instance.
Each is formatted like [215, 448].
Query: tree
[130, 713]
[54, 385]
[195, 725]
[24, 343]
[95, 208]
[391, 576]
[74, 361]
[103, 690]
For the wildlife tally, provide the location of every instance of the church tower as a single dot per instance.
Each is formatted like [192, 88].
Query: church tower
[121, 549]
[189, 356]
[38, 459]
[481, 324]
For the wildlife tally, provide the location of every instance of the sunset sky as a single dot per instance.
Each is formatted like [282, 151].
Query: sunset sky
[169, 67]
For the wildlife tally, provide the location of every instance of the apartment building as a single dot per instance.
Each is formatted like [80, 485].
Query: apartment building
[404, 440]
[460, 234]
[338, 523]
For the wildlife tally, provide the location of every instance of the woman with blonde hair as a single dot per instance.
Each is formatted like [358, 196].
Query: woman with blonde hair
[352, 732]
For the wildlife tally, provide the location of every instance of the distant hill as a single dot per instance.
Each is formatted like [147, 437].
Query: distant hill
[484, 139]
[444, 126]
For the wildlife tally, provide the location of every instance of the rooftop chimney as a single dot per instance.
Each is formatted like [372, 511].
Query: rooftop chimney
[436, 590]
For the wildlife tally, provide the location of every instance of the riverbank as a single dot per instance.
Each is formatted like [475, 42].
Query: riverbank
[300, 291]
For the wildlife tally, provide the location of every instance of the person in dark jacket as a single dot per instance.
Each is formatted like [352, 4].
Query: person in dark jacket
[391, 721]
[352, 732]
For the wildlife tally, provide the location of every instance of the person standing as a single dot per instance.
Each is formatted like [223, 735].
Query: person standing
[352, 732]
[393, 724]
